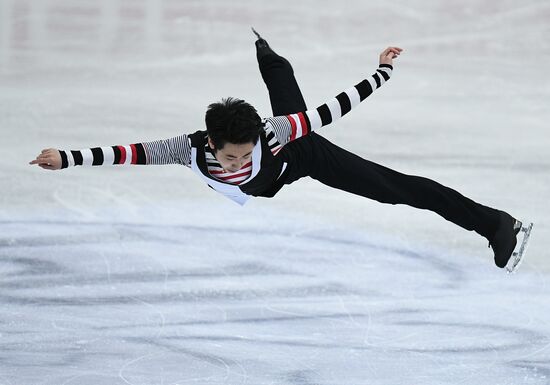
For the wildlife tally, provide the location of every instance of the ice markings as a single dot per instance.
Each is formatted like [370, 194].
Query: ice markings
[186, 304]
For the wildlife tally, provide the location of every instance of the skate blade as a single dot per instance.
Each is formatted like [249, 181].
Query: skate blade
[518, 256]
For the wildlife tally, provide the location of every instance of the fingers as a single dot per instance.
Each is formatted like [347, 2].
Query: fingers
[43, 164]
[394, 49]
[392, 52]
[42, 159]
[46, 159]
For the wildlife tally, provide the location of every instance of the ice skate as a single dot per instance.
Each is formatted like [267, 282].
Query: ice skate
[519, 253]
[262, 47]
[504, 242]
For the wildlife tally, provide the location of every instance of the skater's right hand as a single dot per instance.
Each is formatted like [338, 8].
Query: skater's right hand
[49, 159]
[390, 53]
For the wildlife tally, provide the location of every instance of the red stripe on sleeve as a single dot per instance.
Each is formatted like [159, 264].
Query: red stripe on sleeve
[305, 129]
[293, 123]
[134, 153]
[122, 154]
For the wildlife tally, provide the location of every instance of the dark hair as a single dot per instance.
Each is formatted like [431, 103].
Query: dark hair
[232, 121]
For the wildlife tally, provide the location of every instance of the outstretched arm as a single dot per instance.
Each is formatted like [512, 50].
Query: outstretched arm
[175, 150]
[294, 126]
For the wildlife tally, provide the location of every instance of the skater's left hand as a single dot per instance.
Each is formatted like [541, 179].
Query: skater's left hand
[390, 53]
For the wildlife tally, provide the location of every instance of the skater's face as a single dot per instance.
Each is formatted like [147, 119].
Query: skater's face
[233, 156]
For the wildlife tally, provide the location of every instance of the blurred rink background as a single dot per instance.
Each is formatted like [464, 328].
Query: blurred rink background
[144, 275]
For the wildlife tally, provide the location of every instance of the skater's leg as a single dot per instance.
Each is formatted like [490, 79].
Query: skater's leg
[314, 156]
[343, 170]
[278, 75]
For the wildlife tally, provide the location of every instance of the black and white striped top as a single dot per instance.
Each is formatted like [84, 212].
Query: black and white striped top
[279, 131]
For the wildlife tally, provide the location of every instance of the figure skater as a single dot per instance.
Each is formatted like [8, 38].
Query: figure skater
[241, 155]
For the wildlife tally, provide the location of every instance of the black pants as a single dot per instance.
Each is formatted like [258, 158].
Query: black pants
[316, 157]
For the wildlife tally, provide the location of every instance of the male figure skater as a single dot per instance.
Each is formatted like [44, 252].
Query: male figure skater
[241, 155]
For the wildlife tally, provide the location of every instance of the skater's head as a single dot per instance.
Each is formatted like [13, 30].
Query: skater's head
[233, 128]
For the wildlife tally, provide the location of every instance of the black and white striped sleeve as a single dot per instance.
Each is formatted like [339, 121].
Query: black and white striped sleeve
[290, 127]
[169, 151]
[175, 150]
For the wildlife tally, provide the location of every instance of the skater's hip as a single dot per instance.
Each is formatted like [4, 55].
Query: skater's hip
[297, 159]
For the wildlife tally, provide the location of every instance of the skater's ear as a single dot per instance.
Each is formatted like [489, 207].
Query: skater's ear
[211, 144]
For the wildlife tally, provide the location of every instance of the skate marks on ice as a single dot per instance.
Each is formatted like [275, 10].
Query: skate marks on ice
[131, 303]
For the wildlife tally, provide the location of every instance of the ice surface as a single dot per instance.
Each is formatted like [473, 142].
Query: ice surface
[143, 275]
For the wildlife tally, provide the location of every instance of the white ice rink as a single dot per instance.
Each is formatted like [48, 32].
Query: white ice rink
[144, 275]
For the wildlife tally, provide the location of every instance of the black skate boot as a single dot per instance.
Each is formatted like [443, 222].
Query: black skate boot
[262, 48]
[503, 241]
